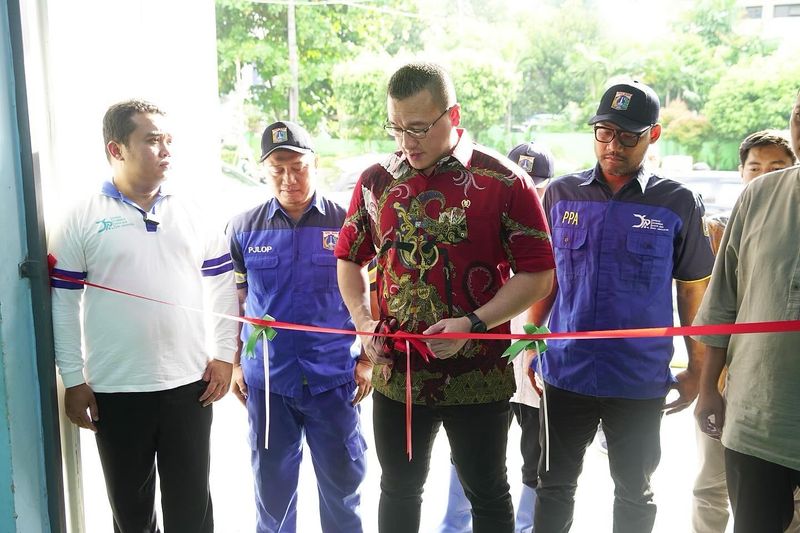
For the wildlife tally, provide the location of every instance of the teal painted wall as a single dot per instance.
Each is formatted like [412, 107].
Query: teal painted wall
[23, 506]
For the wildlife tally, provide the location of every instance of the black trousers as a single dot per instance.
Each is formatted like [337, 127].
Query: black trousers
[169, 428]
[633, 433]
[528, 419]
[761, 493]
[478, 435]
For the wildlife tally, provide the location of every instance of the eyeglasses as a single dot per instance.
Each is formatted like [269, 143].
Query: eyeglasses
[397, 132]
[626, 138]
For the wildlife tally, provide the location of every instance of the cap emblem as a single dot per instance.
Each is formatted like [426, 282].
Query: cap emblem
[621, 101]
[280, 135]
[526, 162]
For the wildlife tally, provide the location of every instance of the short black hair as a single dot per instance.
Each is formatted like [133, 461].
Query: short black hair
[765, 138]
[414, 77]
[117, 123]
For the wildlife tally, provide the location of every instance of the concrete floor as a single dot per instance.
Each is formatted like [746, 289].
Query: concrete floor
[231, 480]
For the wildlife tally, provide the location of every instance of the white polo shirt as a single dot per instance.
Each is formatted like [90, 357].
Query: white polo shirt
[133, 345]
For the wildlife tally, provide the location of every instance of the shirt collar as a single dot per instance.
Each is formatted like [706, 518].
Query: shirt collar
[273, 206]
[110, 189]
[463, 149]
[642, 177]
[461, 153]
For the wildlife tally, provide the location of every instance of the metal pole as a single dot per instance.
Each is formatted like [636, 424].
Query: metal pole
[35, 268]
[291, 40]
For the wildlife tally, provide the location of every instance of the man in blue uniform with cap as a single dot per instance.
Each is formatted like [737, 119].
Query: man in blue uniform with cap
[620, 236]
[283, 260]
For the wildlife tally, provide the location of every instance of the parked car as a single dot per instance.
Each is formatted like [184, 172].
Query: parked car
[719, 189]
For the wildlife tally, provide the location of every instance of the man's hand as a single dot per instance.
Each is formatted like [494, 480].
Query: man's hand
[372, 346]
[710, 413]
[218, 375]
[77, 400]
[528, 360]
[363, 377]
[687, 385]
[444, 348]
[238, 386]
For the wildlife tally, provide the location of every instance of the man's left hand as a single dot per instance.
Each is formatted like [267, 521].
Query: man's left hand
[444, 348]
[687, 385]
[363, 377]
[218, 375]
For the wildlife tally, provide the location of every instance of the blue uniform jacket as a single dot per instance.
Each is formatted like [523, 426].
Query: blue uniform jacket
[616, 256]
[289, 271]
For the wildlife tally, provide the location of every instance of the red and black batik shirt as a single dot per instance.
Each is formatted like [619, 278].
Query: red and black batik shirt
[444, 245]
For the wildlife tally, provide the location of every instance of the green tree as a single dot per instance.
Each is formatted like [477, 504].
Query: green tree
[753, 96]
[360, 90]
[251, 38]
[557, 69]
[711, 20]
[684, 68]
[687, 128]
[485, 86]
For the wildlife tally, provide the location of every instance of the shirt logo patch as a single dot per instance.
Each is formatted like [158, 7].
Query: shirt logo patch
[107, 224]
[649, 223]
[329, 239]
[526, 162]
[259, 249]
[279, 135]
[621, 101]
[570, 217]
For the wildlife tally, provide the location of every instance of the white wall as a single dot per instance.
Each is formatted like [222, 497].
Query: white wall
[97, 52]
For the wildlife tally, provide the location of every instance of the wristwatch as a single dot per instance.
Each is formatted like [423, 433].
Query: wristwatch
[478, 325]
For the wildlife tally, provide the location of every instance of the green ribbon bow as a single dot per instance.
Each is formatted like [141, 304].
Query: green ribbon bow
[265, 332]
[516, 347]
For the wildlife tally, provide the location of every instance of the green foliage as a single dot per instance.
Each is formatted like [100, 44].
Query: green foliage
[510, 61]
[251, 34]
[685, 127]
[712, 20]
[484, 87]
[753, 97]
[360, 89]
[557, 68]
[684, 67]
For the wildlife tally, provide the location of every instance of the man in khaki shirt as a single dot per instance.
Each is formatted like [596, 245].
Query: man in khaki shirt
[757, 278]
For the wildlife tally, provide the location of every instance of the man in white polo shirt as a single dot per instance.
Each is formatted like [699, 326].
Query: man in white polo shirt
[144, 380]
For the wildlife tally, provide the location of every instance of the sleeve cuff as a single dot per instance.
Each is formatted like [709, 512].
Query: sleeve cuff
[72, 379]
[717, 341]
[225, 355]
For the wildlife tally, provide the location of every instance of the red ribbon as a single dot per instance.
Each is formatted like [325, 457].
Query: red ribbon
[769, 326]
[389, 326]
[403, 341]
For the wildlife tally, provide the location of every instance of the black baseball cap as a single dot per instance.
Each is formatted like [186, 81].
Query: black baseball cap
[535, 159]
[285, 135]
[631, 106]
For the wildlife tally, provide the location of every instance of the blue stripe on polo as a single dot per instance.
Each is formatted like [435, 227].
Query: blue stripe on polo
[216, 261]
[63, 284]
[209, 272]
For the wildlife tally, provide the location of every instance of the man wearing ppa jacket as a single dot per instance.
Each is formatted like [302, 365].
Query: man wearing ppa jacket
[620, 236]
